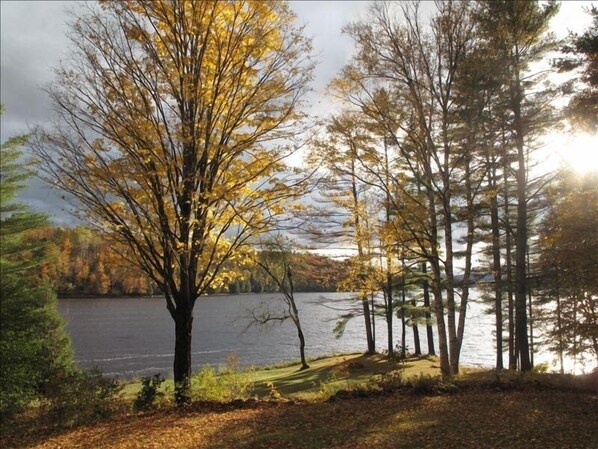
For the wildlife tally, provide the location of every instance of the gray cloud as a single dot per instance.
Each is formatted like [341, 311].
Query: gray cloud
[33, 40]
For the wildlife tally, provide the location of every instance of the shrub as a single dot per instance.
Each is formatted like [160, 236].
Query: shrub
[205, 386]
[146, 398]
[541, 368]
[229, 384]
[33, 344]
[427, 384]
[273, 392]
[79, 397]
[387, 381]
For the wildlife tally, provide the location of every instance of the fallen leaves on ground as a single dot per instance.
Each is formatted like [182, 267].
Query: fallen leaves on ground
[472, 419]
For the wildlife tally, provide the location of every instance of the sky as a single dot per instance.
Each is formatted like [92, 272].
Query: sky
[33, 39]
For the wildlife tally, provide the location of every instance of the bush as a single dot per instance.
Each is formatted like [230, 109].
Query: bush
[541, 368]
[79, 397]
[387, 381]
[33, 344]
[427, 384]
[146, 398]
[228, 384]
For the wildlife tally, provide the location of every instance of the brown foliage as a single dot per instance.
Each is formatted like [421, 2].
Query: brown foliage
[531, 419]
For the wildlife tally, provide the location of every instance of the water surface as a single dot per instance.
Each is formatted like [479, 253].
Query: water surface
[130, 337]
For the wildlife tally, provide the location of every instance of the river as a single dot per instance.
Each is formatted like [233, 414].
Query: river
[132, 337]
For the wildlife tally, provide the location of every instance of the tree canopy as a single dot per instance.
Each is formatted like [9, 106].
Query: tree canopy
[174, 120]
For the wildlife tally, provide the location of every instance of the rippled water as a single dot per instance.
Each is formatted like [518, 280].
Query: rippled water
[129, 337]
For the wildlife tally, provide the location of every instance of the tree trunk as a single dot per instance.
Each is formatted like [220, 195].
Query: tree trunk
[389, 315]
[389, 304]
[509, 269]
[358, 236]
[368, 325]
[373, 313]
[450, 293]
[521, 339]
[559, 321]
[304, 364]
[496, 268]
[428, 315]
[531, 323]
[445, 367]
[468, 263]
[182, 356]
[416, 342]
[295, 315]
[403, 327]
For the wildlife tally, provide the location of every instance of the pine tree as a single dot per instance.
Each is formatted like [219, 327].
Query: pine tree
[516, 30]
[568, 266]
[33, 343]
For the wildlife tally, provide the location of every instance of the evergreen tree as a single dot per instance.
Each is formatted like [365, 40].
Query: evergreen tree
[568, 267]
[33, 343]
[517, 31]
[582, 110]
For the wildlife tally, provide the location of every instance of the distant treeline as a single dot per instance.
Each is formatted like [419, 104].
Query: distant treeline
[79, 262]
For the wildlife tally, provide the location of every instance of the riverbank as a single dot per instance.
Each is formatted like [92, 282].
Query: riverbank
[356, 401]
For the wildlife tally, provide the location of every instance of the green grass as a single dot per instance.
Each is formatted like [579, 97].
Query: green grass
[324, 376]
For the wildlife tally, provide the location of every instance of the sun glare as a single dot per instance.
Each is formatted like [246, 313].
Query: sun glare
[578, 152]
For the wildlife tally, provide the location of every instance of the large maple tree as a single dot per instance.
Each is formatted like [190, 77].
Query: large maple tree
[171, 131]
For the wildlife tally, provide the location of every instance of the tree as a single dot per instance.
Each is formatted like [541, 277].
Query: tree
[33, 343]
[419, 65]
[345, 197]
[275, 260]
[568, 266]
[582, 109]
[173, 118]
[517, 31]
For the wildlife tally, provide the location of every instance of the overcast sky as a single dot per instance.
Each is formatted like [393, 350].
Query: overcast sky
[33, 40]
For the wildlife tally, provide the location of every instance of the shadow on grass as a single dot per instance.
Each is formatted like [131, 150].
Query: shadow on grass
[354, 369]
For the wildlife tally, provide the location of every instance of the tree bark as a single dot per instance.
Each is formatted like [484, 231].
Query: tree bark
[389, 314]
[360, 253]
[304, 364]
[496, 268]
[368, 325]
[291, 297]
[403, 327]
[182, 356]
[559, 321]
[373, 314]
[428, 315]
[509, 269]
[521, 338]
[416, 342]
[434, 259]
[450, 291]
[469, 241]
[530, 315]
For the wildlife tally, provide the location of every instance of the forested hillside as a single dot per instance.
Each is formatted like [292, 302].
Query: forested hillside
[79, 262]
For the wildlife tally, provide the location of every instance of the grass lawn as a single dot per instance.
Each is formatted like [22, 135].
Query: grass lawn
[476, 415]
[331, 373]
